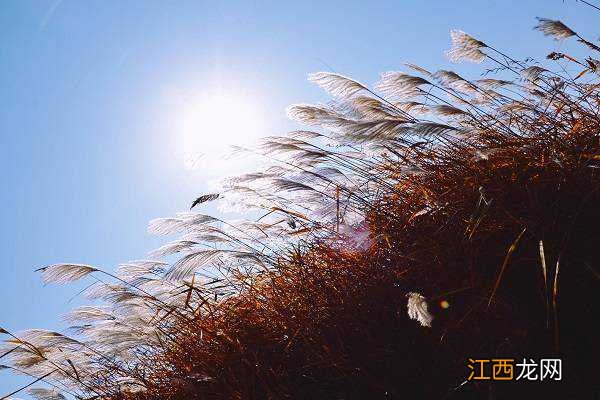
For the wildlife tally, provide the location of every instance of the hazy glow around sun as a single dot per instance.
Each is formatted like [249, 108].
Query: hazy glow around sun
[213, 123]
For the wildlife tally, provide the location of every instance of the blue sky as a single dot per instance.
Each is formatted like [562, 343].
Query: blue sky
[91, 94]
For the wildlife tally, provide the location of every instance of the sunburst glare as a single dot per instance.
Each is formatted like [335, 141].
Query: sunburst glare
[210, 125]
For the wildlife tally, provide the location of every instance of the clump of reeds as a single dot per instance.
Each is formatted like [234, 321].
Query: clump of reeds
[416, 225]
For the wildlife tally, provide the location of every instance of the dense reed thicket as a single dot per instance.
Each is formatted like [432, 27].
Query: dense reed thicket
[476, 201]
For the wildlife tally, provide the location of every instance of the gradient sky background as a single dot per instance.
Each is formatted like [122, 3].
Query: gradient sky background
[91, 93]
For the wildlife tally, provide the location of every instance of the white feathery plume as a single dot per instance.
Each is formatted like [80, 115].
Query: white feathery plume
[184, 222]
[554, 28]
[302, 134]
[311, 114]
[43, 338]
[532, 73]
[372, 109]
[490, 83]
[418, 309]
[64, 273]
[432, 129]
[465, 48]
[113, 293]
[87, 314]
[399, 85]
[413, 107]
[335, 84]
[137, 269]
[418, 68]
[448, 111]
[165, 226]
[452, 80]
[190, 263]
[172, 248]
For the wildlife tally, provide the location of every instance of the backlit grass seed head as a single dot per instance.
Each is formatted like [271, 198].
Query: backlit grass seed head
[465, 48]
[418, 309]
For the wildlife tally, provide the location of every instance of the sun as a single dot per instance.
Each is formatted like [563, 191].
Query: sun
[213, 123]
